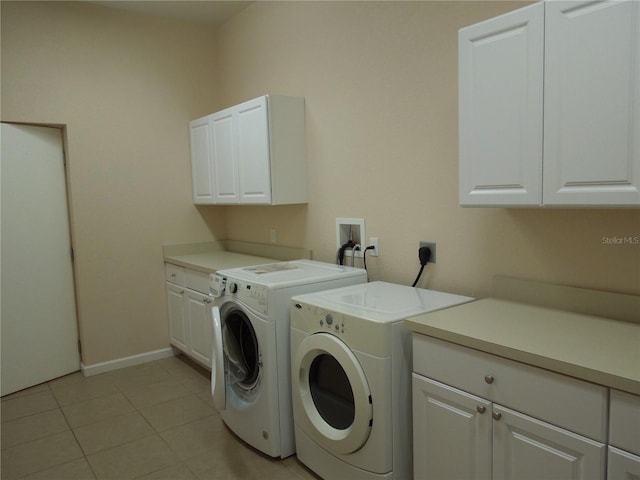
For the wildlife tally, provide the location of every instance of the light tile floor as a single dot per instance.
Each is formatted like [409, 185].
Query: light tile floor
[152, 421]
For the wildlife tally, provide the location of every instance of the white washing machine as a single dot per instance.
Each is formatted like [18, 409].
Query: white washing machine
[351, 378]
[250, 374]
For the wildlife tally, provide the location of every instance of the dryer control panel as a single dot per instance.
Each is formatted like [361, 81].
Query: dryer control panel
[361, 334]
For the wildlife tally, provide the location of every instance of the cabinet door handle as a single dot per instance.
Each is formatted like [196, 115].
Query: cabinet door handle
[496, 415]
[481, 409]
[489, 378]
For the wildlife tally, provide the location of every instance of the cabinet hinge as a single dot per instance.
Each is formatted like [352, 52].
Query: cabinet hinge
[79, 348]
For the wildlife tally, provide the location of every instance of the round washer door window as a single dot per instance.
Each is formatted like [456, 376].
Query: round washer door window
[334, 393]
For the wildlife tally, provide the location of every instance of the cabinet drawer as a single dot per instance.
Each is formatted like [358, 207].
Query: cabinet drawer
[573, 404]
[624, 423]
[198, 281]
[174, 273]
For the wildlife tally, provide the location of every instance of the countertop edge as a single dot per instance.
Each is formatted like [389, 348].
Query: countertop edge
[420, 325]
[208, 257]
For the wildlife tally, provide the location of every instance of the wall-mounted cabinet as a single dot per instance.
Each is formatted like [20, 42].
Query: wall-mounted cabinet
[549, 106]
[253, 153]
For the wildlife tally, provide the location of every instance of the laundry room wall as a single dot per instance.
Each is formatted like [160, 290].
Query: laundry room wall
[125, 86]
[380, 82]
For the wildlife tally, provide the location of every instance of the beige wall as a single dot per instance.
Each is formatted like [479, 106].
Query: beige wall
[125, 86]
[380, 83]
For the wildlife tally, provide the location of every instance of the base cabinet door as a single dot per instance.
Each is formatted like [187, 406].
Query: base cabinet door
[198, 313]
[452, 432]
[177, 324]
[528, 449]
[457, 435]
[622, 465]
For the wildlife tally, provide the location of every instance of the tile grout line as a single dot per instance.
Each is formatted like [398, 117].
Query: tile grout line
[118, 386]
[66, 419]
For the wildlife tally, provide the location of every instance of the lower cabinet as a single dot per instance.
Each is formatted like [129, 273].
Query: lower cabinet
[526, 448]
[459, 435]
[189, 311]
[177, 323]
[622, 465]
[624, 436]
[451, 432]
[198, 318]
[478, 416]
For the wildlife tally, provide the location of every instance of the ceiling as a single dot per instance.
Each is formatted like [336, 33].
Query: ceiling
[210, 12]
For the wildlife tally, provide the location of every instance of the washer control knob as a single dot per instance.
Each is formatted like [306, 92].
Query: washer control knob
[329, 319]
[233, 287]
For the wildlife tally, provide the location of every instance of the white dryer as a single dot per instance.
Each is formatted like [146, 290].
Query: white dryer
[351, 378]
[250, 374]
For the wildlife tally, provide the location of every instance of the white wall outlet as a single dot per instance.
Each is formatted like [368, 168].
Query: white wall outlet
[373, 241]
[273, 235]
[350, 229]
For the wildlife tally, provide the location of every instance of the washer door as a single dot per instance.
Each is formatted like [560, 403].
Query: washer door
[218, 385]
[241, 352]
[332, 392]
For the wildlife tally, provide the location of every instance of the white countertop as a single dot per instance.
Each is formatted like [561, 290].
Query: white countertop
[213, 261]
[209, 257]
[596, 349]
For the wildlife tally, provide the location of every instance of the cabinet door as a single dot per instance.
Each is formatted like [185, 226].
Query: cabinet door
[198, 311]
[451, 432]
[528, 449]
[500, 109]
[622, 465]
[177, 324]
[201, 168]
[223, 157]
[624, 421]
[592, 103]
[254, 165]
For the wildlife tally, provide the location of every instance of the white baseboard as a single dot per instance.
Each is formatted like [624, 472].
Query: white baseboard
[96, 368]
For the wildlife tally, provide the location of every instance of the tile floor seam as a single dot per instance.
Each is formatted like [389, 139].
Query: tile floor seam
[66, 419]
[209, 463]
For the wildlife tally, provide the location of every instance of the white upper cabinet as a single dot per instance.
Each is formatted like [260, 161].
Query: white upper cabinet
[223, 157]
[549, 100]
[200, 164]
[592, 103]
[256, 153]
[500, 109]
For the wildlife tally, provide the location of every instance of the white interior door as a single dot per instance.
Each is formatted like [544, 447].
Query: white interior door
[38, 326]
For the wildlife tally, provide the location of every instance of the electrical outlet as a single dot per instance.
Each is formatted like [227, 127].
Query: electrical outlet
[373, 241]
[432, 247]
[350, 229]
